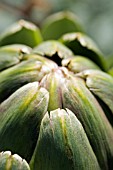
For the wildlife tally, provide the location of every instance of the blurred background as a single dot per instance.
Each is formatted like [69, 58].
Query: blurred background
[96, 16]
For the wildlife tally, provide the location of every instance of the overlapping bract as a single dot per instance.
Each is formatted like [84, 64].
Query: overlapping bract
[15, 162]
[62, 143]
[20, 118]
[55, 114]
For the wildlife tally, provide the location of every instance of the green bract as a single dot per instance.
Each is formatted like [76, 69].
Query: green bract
[22, 32]
[54, 50]
[20, 119]
[79, 63]
[12, 162]
[81, 44]
[63, 126]
[54, 26]
[12, 54]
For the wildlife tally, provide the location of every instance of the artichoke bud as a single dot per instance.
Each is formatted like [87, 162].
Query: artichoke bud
[63, 144]
[20, 118]
[70, 91]
[15, 162]
[53, 82]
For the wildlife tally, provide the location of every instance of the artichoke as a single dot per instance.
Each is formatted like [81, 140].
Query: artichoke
[56, 107]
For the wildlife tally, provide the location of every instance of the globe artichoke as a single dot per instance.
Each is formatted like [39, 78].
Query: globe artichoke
[56, 107]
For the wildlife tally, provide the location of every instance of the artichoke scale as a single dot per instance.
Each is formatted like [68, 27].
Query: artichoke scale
[15, 162]
[101, 85]
[81, 44]
[11, 55]
[63, 144]
[53, 50]
[78, 63]
[21, 32]
[51, 26]
[20, 118]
